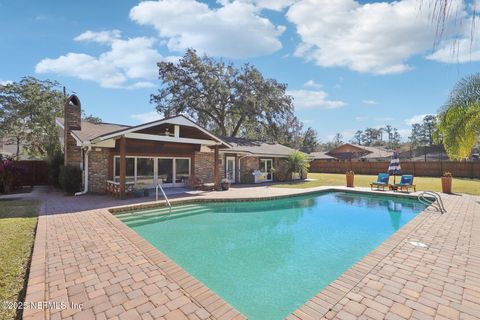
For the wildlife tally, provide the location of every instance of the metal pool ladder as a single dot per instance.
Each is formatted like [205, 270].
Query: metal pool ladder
[426, 198]
[159, 186]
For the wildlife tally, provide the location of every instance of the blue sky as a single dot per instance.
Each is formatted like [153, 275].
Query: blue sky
[349, 64]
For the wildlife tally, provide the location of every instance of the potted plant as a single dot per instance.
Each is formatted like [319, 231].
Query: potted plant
[146, 192]
[447, 182]
[350, 175]
[225, 184]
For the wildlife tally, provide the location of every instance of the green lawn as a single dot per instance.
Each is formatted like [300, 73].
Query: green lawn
[459, 185]
[18, 219]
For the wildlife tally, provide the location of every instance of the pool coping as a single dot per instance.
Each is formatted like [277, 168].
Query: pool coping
[183, 201]
[316, 307]
[196, 290]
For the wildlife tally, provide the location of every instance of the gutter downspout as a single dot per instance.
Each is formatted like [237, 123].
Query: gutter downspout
[85, 170]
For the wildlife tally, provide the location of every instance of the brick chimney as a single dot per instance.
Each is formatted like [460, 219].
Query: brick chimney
[72, 121]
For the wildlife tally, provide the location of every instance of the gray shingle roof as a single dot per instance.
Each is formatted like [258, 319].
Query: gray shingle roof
[377, 153]
[320, 155]
[92, 130]
[257, 147]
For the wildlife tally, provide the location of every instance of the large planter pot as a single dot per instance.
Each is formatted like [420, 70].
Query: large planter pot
[350, 179]
[446, 184]
[225, 185]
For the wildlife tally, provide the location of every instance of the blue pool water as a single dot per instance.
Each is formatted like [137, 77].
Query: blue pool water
[267, 258]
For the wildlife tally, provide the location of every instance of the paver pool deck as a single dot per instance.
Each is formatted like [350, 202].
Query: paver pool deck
[85, 256]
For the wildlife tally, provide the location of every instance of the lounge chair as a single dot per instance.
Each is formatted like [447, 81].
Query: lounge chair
[382, 181]
[406, 182]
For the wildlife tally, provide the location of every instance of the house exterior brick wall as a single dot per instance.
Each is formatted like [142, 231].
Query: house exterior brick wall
[204, 164]
[98, 169]
[72, 121]
[247, 165]
[280, 165]
[73, 153]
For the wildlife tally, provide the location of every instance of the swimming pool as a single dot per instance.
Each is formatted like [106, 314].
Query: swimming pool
[267, 258]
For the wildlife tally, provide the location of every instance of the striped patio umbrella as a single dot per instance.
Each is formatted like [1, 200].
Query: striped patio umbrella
[394, 166]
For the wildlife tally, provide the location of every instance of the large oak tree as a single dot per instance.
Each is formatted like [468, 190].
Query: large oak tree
[227, 100]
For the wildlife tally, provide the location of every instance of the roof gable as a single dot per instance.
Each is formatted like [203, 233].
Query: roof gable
[256, 147]
[97, 132]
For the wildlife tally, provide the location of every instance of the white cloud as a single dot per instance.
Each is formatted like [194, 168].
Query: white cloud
[347, 135]
[312, 84]
[415, 119]
[361, 118]
[464, 48]
[404, 134]
[5, 82]
[147, 116]
[99, 36]
[376, 38]
[276, 5]
[130, 63]
[384, 119]
[234, 30]
[371, 102]
[304, 99]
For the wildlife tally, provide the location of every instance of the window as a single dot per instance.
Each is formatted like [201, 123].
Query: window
[145, 171]
[130, 175]
[165, 170]
[171, 172]
[182, 170]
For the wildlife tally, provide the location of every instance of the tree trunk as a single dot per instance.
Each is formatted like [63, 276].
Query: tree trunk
[18, 149]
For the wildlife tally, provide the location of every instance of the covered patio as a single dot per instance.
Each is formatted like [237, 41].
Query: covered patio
[166, 152]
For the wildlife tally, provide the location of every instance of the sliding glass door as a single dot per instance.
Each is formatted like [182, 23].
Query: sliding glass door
[265, 168]
[148, 171]
[173, 172]
[182, 171]
[165, 172]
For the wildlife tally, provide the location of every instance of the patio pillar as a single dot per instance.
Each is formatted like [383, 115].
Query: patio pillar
[123, 166]
[215, 170]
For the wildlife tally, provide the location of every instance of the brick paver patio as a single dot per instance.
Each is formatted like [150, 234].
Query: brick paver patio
[85, 256]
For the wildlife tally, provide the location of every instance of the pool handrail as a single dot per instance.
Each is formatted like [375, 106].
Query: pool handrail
[164, 195]
[425, 198]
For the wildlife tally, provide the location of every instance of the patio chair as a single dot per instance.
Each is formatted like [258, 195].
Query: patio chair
[406, 182]
[382, 181]
[196, 183]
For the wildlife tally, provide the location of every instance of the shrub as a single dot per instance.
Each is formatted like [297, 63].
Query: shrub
[70, 179]
[298, 162]
[54, 165]
[280, 176]
[8, 172]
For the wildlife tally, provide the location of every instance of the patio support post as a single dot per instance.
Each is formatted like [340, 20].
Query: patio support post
[215, 170]
[123, 166]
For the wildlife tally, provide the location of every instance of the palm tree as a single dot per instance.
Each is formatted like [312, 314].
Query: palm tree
[297, 162]
[459, 119]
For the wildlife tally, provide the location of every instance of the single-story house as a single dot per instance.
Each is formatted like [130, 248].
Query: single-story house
[350, 151]
[167, 151]
[321, 156]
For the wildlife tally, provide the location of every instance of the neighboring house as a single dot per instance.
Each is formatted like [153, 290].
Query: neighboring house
[321, 156]
[166, 151]
[350, 151]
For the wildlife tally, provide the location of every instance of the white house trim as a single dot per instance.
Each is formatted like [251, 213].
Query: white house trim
[178, 120]
[153, 137]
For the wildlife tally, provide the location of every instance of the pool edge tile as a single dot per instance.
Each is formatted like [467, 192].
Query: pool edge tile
[176, 273]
